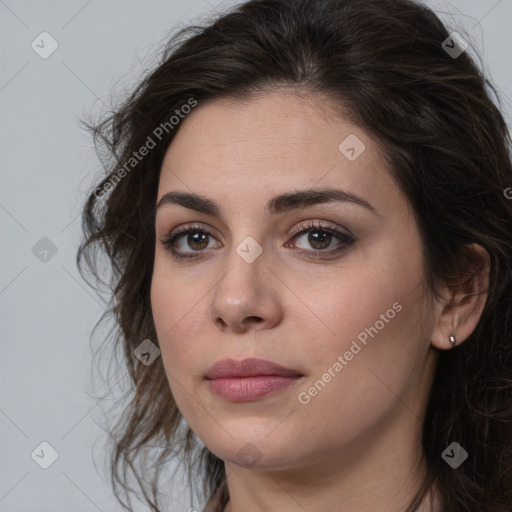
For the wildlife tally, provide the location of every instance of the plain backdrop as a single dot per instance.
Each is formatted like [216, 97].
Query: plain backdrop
[47, 165]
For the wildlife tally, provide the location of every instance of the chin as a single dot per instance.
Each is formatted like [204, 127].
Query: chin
[256, 452]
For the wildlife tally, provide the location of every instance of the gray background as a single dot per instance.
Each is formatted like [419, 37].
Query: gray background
[47, 383]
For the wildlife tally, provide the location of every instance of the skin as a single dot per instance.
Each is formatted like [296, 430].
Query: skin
[355, 446]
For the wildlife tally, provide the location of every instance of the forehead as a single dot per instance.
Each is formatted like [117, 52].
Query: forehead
[269, 145]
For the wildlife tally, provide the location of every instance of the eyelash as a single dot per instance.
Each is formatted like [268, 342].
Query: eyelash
[307, 227]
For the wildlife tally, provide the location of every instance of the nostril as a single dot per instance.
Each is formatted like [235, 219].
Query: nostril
[255, 319]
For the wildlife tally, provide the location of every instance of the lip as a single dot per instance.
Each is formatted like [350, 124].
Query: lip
[229, 368]
[249, 379]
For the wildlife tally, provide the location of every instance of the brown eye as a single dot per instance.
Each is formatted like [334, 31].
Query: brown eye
[320, 239]
[190, 237]
[192, 241]
[196, 240]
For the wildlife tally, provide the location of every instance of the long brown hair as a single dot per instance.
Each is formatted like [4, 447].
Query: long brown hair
[433, 113]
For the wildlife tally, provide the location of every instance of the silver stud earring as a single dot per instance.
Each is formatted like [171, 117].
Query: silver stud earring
[452, 341]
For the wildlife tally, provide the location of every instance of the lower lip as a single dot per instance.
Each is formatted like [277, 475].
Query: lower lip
[245, 389]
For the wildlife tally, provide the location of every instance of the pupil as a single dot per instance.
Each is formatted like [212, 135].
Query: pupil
[314, 238]
[195, 239]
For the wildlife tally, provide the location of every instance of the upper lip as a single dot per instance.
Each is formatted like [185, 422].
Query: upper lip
[248, 368]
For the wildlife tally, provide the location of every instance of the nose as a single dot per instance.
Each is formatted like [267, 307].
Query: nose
[246, 297]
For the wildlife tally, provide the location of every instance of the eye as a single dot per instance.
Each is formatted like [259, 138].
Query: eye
[319, 237]
[196, 239]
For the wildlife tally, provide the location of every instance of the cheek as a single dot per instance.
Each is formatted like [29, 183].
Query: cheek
[373, 348]
[179, 317]
[171, 298]
[169, 305]
[177, 349]
[369, 304]
[163, 304]
[354, 385]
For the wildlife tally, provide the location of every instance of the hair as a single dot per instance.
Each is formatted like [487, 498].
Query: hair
[448, 148]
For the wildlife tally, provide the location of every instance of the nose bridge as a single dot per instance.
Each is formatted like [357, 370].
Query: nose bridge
[247, 236]
[245, 264]
[244, 291]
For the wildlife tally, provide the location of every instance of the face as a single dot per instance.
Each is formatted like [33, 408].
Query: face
[331, 289]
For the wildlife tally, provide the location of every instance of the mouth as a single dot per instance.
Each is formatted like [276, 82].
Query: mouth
[249, 379]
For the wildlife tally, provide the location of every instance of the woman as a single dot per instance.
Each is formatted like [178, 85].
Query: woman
[309, 232]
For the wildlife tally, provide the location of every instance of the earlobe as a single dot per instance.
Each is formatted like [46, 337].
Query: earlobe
[464, 303]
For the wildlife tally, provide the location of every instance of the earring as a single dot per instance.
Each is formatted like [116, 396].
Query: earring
[452, 341]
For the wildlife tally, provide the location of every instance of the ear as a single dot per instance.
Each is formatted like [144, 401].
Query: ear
[464, 302]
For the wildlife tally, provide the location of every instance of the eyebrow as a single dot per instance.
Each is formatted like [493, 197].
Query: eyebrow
[278, 204]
